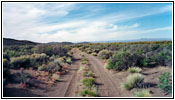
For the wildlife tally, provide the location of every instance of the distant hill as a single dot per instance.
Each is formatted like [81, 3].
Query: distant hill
[8, 41]
[64, 43]
[135, 40]
[83, 42]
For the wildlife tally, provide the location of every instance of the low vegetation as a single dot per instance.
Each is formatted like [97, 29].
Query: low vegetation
[165, 82]
[56, 77]
[89, 87]
[134, 70]
[41, 59]
[88, 92]
[84, 61]
[121, 56]
[105, 54]
[132, 81]
[142, 93]
[48, 62]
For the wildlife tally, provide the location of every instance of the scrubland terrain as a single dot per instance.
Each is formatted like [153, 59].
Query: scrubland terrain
[133, 69]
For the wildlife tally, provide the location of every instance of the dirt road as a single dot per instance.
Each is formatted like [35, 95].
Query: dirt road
[108, 85]
[66, 86]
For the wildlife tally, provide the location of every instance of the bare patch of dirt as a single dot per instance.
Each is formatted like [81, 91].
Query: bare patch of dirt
[151, 76]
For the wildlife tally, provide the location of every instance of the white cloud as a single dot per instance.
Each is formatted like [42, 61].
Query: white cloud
[23, 21]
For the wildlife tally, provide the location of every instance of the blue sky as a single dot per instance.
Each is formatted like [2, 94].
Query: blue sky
[77, 22]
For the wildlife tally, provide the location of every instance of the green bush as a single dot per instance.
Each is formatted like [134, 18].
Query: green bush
[134, 70]
[88, 92]
[88, 82]
[52, 50]
[38, 59]
[42, 68]
[165, 82]
[84, 61]
[105, 54]
[94, 54]
[22, 61]
[110, 64]
[54, 66]
[143, 93]
[132, 81]
[68, 60]
[90, 74]
[145, 62]
[55, 77]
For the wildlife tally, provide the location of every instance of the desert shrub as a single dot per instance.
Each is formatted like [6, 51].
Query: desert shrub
[134, 70]
[154, 47]
[145, 62]
[38, 59]
[88, 82]
[42, 68]
[139, 51]
[6, 56]
[26, 61]
[120, 61]
[68, 60]
[132, 81]
[53, 50]
[84, 73]
[23, 77]
[88, 50]
[105, 54]
[11, 53]
[94, 54]
[88, 92]
[22, 61]
[56, 77]
[6, 63]
[110, 64]
[142, 93]
[52, 58]
[62, 59]
[54, 66]
[165, 82]
[90, 73]
[84, 61]
[16, 51]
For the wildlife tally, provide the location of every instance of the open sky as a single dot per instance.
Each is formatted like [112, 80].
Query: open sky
[77, 22]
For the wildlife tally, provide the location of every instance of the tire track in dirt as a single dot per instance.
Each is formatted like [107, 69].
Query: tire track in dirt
[67, 84]
[111, 85]
[72, 87]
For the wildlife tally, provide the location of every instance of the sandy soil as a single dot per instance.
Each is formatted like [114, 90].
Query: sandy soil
[108, 86]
